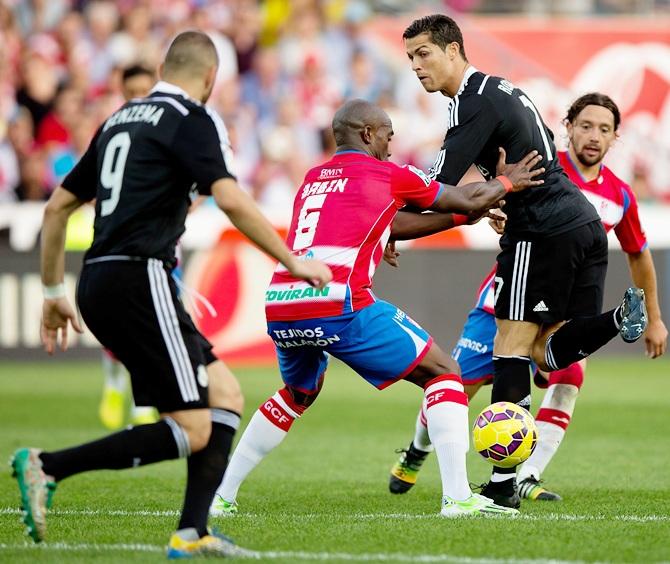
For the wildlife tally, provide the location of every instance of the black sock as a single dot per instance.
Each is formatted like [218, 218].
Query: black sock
[580, 337]
[511, 382]
[136, 446]
[206, 469]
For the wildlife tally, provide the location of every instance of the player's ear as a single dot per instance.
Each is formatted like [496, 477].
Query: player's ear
[160, 70]
[367, 134]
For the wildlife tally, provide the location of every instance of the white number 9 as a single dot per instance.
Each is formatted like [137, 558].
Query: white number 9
[113, 167]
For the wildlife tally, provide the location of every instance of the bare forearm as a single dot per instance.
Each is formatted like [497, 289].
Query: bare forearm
[54, 225]
[52, 259]
[472, 197]
[643, 273]
[407, 225]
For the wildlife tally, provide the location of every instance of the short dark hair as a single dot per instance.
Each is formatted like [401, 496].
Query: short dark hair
[135, 70]
[442, 31]
[191, 52]
[594, 99]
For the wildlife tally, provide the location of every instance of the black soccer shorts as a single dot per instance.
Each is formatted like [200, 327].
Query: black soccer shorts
[132, 308]
[551, 279]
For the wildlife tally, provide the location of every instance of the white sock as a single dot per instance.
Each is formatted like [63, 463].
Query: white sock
[266, 430]
[115, 373]
[421, 439]
[447, 418]
[552, 421]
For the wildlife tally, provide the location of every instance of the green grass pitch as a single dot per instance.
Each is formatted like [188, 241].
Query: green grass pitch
[322, 495]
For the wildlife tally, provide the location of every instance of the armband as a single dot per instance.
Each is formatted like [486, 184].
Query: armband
[506, 182]
[53, 292]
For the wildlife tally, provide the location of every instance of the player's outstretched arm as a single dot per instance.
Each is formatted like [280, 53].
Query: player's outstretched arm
[245, 215]
[56, 310]
[480, 196]
[643, 273]
[409, 225]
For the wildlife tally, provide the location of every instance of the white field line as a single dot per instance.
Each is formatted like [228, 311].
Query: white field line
[356, 516]
[287, 555]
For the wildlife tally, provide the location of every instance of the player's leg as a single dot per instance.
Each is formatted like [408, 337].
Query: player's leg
[206, 467]
[588, 329]
[116, 304]
[302, 370]
[395, 347]
[523, 299]
[552, 420]
[473, 353]
[111, 409]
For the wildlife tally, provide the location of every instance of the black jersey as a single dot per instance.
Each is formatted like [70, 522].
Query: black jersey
[489, 112]
[142, 167]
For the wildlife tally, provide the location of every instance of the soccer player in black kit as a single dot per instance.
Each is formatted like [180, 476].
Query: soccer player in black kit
[142, 167]
[553, 257]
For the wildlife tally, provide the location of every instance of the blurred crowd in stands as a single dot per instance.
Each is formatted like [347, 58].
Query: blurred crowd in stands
[284, 67]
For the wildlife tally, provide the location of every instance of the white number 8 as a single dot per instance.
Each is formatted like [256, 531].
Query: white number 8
[113, 166]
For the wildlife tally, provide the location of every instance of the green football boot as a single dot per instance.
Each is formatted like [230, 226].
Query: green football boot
[476, 504]
[222, 508]
[405, 471]
[35, 488]
[530, 488]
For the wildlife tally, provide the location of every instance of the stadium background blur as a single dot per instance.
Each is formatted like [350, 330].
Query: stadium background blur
[285, 67]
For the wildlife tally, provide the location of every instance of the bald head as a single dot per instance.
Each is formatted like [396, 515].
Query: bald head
[191, 55]
[361, 125]
[352, 118]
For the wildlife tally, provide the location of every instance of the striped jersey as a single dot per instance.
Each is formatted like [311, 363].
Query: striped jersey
[616, 205]
[143, 166]
[342, 215]
[488, 112]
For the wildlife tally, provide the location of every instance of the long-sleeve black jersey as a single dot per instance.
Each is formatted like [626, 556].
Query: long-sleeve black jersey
[142, 166]
[489, 112]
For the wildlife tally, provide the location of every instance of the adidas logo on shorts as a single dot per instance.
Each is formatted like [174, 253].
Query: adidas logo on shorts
[541, 306]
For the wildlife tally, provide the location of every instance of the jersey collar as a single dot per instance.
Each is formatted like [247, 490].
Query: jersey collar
[168, 88]
[579, 172]
[468, 73]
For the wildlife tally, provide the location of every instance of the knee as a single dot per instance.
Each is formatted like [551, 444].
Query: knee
[197, 424]
[234, 399]
[301, 399]
[198, 435]
[224, 389]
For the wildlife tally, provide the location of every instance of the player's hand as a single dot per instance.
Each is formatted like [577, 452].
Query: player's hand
[391, 255]
[522, 173]
[656, 339]
[313, 271]
[497, 221]
[55, 317]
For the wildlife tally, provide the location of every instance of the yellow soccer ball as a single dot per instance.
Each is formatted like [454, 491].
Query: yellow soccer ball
[505, 434]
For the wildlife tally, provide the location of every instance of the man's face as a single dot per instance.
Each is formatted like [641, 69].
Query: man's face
[433, 66]
[137, 86]
[381, 138]
[591, 134]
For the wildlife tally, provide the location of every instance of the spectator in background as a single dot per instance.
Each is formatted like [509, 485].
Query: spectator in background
[363, 81]
[39, 84]
[102, 19]
[263, 86]
[56, 127]
[33, 185]
[135, 43]
[136, 81]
